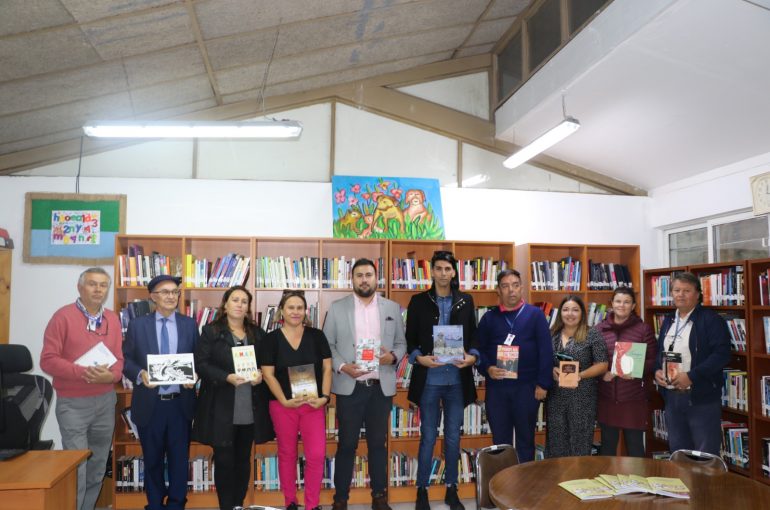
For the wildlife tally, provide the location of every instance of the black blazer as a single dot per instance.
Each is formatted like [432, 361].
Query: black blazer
[422, 314]
[213, 423]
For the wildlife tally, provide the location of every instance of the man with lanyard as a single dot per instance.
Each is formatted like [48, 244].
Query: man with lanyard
[85, 404]
[697, 339]
[512, 403]
[364, 398]
[435, 385]
[163, 414]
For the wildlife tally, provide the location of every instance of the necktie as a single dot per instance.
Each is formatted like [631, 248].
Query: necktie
[164, 343]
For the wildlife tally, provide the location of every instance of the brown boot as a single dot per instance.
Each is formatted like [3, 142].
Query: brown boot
[380, 502]
[340, 505]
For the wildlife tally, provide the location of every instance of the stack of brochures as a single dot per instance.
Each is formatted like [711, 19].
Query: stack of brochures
[607, 486]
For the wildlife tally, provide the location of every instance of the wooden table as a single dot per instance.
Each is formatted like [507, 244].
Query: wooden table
[535, 485]
[41, 479]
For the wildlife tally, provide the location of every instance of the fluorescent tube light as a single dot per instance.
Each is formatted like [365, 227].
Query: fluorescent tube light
[553, 136]
[263, 129]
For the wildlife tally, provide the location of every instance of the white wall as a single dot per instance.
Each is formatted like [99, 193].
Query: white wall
[716, 192]
[284, 209]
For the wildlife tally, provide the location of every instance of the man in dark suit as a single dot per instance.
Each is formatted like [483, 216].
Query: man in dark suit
[163, 414]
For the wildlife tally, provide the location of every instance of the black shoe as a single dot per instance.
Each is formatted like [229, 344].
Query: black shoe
[380, 502]
[340, 505]
[451, 498]
[317, 508]
[292, 506]
[422, 502]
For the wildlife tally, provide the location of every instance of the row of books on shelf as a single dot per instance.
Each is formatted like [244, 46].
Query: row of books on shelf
[560, 275]
[129, 473]
[596, 312]
[270, 320]
[403, 469]
[405, 422]
[660, 289]
[309, 272]
[404, 374]
[267, 477]
[764, 389]
[473, 274]
[737, 327]
[724, 288]
[137, 269]
[132, 310]
[608, 276]
[735, 389]
[223, 272]
[735, 444]
[764, 287]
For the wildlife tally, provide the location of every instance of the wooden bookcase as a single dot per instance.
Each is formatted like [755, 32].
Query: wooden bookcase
[753, 360]
[210, 248]
[5, 295]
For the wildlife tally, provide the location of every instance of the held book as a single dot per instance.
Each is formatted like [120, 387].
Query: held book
[628, 359]
[448, 343]
[508, 360]
[366, 354]
[99, 354]
[171, 368]
[303, 383]
[568, 377]
[245, 362]
[672, 363]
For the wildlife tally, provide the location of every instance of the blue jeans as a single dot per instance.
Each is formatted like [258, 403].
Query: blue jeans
[693, 426]
[450, 398]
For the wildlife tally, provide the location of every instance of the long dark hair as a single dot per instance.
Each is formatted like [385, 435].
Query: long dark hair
[582, 330]
[248, 321]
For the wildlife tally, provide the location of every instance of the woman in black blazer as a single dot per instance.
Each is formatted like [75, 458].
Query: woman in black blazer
[232, 410]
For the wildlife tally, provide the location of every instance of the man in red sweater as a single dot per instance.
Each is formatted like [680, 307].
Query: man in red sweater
[84, 373]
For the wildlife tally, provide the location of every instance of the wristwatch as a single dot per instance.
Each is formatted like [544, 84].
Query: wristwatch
[328, 399]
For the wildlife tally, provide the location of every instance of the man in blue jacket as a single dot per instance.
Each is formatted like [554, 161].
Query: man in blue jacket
[513, 403]
[693, 348]
[163, 414]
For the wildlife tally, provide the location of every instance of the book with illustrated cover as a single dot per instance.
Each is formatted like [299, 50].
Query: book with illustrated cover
[366, 354]
[671, 487]
[508, 360]
[586, 489]
[672, 364]
[303, 383]
[448, 343]
[245, 362]
[568, 378]
[628, 359]
[171, 368]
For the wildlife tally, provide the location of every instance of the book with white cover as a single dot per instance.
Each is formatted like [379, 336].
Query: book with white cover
[99, 354]
[245, 362]
[171, 368]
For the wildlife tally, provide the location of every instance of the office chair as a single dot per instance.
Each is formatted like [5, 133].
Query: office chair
[25, 401]
[708, 461]
[490, 461]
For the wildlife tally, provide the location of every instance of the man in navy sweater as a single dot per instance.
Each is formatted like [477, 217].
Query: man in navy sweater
[513, 403]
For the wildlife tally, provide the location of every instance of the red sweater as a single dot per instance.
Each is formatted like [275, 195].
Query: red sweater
[66, 339]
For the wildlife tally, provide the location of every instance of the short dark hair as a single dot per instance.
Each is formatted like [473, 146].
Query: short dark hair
[507, 272]
[624, 290]
[363, 262]
[688, 277]
[446, 256]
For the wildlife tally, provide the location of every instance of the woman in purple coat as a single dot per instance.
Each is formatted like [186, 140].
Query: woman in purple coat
[623, 399]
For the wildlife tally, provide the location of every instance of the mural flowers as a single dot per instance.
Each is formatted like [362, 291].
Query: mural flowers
[387, 208]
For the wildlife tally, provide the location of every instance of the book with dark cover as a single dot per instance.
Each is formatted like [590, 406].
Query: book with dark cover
[672, 363]
[303, 383]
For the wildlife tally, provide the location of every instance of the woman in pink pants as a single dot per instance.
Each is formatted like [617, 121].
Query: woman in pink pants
[297, 367]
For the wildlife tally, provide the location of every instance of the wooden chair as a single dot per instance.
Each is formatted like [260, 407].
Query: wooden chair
[707, 461]
[489, 461]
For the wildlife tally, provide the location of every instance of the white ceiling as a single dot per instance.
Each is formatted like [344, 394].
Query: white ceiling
[671, 88]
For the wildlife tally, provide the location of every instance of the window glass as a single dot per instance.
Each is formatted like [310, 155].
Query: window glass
[688, 247]
[509, 67]
[744, 239]
[581, 10]
[544, 32]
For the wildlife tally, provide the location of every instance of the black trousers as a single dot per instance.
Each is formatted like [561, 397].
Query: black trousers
[232, 469]
[366, 406]
[633, 438]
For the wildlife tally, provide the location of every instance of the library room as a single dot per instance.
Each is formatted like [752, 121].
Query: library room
[558, 208]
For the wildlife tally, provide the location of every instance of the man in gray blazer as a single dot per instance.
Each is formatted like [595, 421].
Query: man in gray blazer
[362, 322]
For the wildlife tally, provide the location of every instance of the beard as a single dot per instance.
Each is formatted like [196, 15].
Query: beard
[364, 293]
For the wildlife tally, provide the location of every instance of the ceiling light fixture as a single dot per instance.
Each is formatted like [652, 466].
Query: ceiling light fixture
[266, 130]
[545, 141]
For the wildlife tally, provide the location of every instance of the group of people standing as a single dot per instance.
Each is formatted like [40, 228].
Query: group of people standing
[231, 411]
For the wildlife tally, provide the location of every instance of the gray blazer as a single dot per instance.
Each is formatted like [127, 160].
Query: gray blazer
[339, 329]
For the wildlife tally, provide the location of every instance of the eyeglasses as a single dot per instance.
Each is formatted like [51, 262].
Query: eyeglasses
[96, 331]
[167, 293]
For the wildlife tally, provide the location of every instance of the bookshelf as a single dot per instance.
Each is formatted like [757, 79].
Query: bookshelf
[5, 295]
[321, 268]
[730, 290]
[758, 352]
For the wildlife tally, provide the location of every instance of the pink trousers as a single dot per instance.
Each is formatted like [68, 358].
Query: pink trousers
[311, 424]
